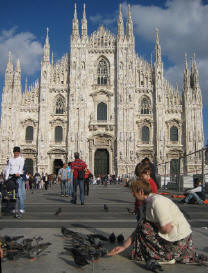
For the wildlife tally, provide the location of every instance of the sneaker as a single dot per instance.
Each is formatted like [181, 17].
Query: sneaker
[82, 203]
[22, 211]
[173, 261]
[66, 195]
[62, 195]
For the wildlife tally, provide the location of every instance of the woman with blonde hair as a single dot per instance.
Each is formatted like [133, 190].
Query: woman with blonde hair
[163, 235]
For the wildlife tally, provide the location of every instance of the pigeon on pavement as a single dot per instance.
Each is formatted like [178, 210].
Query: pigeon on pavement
[106, 208]
[112, 238]
[58, 212]
[120, 238]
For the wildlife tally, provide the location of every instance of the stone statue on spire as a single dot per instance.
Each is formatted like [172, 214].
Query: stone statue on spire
[84, 23]
[120, 32]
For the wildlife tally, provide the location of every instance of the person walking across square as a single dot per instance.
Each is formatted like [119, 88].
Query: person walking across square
[78, 166]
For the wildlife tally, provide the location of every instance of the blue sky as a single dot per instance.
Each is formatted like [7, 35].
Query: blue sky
[182, 28]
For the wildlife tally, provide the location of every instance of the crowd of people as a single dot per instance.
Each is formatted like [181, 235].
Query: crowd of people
[162, 234]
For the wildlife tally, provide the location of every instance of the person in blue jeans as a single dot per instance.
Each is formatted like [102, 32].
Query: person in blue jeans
[15, 168]
[63, 177]
[195, 195]
[70, 179]
[78, 166]
[20, 203]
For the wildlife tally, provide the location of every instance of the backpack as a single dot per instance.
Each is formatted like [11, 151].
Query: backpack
[11, 185]
[81, 174]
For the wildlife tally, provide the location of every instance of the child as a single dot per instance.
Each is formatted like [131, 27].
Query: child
[143, 171]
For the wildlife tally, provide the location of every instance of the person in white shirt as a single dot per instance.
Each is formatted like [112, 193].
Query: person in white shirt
[163, 236]
[15, 167]
[195, 195]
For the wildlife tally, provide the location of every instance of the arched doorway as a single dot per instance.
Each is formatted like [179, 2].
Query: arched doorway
[29, 165]
[101, 162]
[57, 164]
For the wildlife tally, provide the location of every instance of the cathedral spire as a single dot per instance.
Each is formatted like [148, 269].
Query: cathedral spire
[46, 50]
[17, 73]
[186, 74]
[194, 73]
[120, 24]
[158, 57]
[52, 58]
[26, 88]
[75, 24]
[18, 69]
[9, 71]
[84, 24]
[129, 25]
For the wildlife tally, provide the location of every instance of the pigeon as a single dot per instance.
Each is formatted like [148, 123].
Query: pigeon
[120, 238]
[106, 208]
[7, 238]
[130, 211]
[99, 236]
[112, 238]
[153, 265]
[58, 212]
[79, 259]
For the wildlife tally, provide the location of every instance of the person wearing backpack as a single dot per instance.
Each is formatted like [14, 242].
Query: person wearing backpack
[78, 166]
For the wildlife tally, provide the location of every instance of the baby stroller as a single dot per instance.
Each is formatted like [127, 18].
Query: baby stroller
[9, 191]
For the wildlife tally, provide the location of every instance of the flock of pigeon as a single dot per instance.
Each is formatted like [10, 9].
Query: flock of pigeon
[80, 245]
[84, 248]
[19, 247]
[87, 248]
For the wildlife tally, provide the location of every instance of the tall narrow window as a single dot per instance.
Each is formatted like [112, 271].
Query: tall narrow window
[145, 134]
[173, 133]
[58, 134]
[102, 111]
[60, 105]
[29, 133]
[102, 72]
[145, 106]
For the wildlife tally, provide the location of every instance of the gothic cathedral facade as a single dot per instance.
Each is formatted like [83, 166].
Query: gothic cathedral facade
[104, 101]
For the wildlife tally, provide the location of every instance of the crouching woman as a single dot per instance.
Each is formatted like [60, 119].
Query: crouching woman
[164, 235]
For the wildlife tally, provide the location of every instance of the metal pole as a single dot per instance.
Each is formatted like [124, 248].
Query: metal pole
[179, 167]
[165, 177]
[203, 176]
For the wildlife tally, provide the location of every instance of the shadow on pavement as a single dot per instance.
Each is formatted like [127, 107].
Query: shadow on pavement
[59, 200]
[116, 200]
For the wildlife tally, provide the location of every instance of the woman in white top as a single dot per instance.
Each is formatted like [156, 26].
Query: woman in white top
[164, 235]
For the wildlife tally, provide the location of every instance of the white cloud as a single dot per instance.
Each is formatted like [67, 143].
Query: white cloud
[23, 44]
[182, 28]
[105, 20]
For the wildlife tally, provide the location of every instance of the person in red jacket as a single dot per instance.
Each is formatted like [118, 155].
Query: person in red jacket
[143, 171]
[78, 167]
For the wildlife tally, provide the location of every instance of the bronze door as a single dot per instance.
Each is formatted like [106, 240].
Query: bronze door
[101, 162]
